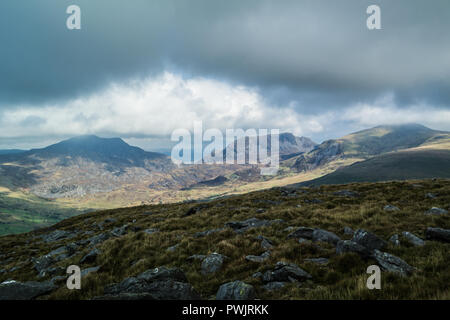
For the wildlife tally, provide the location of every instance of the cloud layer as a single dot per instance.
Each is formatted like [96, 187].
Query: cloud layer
[141, 69]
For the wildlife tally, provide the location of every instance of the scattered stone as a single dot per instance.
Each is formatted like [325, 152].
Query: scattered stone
[413, 239]
[85, 272]
[394, 239]
[90, 257]
[325, 236]
[344, 246]
[265, 242]
[301, 232]
[260, 210]
[438, 234]
[257, 275]
[321, 261]
[236, 290]
[346, 193]
[436, 211]
[212, 263]
[173, 248]
[431, 195]
[392, 263]
[120, 231]
[95, 240]
[390, 208]
[207, 232]
[348, 231]
[151, 230]
[58, 235]
[263, 257]
[274, 285]
[13, 290]
[43, 263]
[242, 226]
[368, 240]
[155, 284]
[285, 272]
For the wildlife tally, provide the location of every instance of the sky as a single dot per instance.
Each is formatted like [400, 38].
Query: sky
[141, 69]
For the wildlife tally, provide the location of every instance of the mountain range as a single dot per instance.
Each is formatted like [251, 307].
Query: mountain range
[89, 172]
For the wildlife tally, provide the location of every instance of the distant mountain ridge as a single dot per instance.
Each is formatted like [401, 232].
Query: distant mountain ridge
[368, 143]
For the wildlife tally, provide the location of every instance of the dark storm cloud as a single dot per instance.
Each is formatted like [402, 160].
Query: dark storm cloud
[318, 53]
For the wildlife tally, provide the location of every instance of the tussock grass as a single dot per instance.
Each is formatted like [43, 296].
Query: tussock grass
[344, 277]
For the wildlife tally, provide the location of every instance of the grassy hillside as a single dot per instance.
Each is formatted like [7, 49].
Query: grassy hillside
[344, 276]
[404, 165]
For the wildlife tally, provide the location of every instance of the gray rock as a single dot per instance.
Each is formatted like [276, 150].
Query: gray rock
[431, 195]
[120, 231]
[95, 240]
[348, 231]
[91, 256]
[51, 272]
[242, 226]
[58, 235]
[274, 285]
[321, 261]
[86, 271]
[212, 263]
[12, 290]
[325, 236]
[257, 275]
[207, 232]
[173, 248]
[265, 242]
[346, 193]
[390, 208]
[392, 263]
[263, 257]
[438, 234]
[436, 211]
[151, 230]
[284, 272]
[42, 263]
[368, 240]
[236, 290]
[301, 232]
[413, 239]
[395, 240]
[156, 284]
[345, 246]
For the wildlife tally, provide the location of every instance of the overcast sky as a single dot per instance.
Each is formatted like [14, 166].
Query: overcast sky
[140, 69]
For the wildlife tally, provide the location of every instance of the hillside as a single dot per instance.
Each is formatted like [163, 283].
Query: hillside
[403, 165]
[283, 243]
[368, 143]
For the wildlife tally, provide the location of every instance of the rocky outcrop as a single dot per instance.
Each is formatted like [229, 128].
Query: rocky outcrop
[436, 211]
[314, 235]
[345, 246]
[212, 263]
[392, 263]
[154, 284]
[286, 272]
[368, 240]
[236, 290]
[13, 290]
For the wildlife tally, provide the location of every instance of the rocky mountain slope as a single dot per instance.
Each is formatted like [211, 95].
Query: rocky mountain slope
[282, 243]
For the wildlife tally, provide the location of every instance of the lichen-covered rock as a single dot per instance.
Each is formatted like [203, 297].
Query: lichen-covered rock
[212, 263]
[368, 240]
[285, 272]
[438, 234]
[344, 246]
[13, 290]
[392, 263]
[236, 290]
[413, 239]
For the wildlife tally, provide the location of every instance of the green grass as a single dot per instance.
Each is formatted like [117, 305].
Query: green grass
[343, 278]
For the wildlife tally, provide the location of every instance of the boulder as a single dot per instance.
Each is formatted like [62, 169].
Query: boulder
[413, 239]
[236, 290]
[344, 246]
[438, 234]
[43, 263]
[12, 290]
[436, 211]
[151, 231]
[368, 240]
[392, 263]
[212, 263]
[85, 272]
[284, 272]
[325, 236]
[265, 242]
[301, 232]
[390, 208]
[263, 257]
[155, 284]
